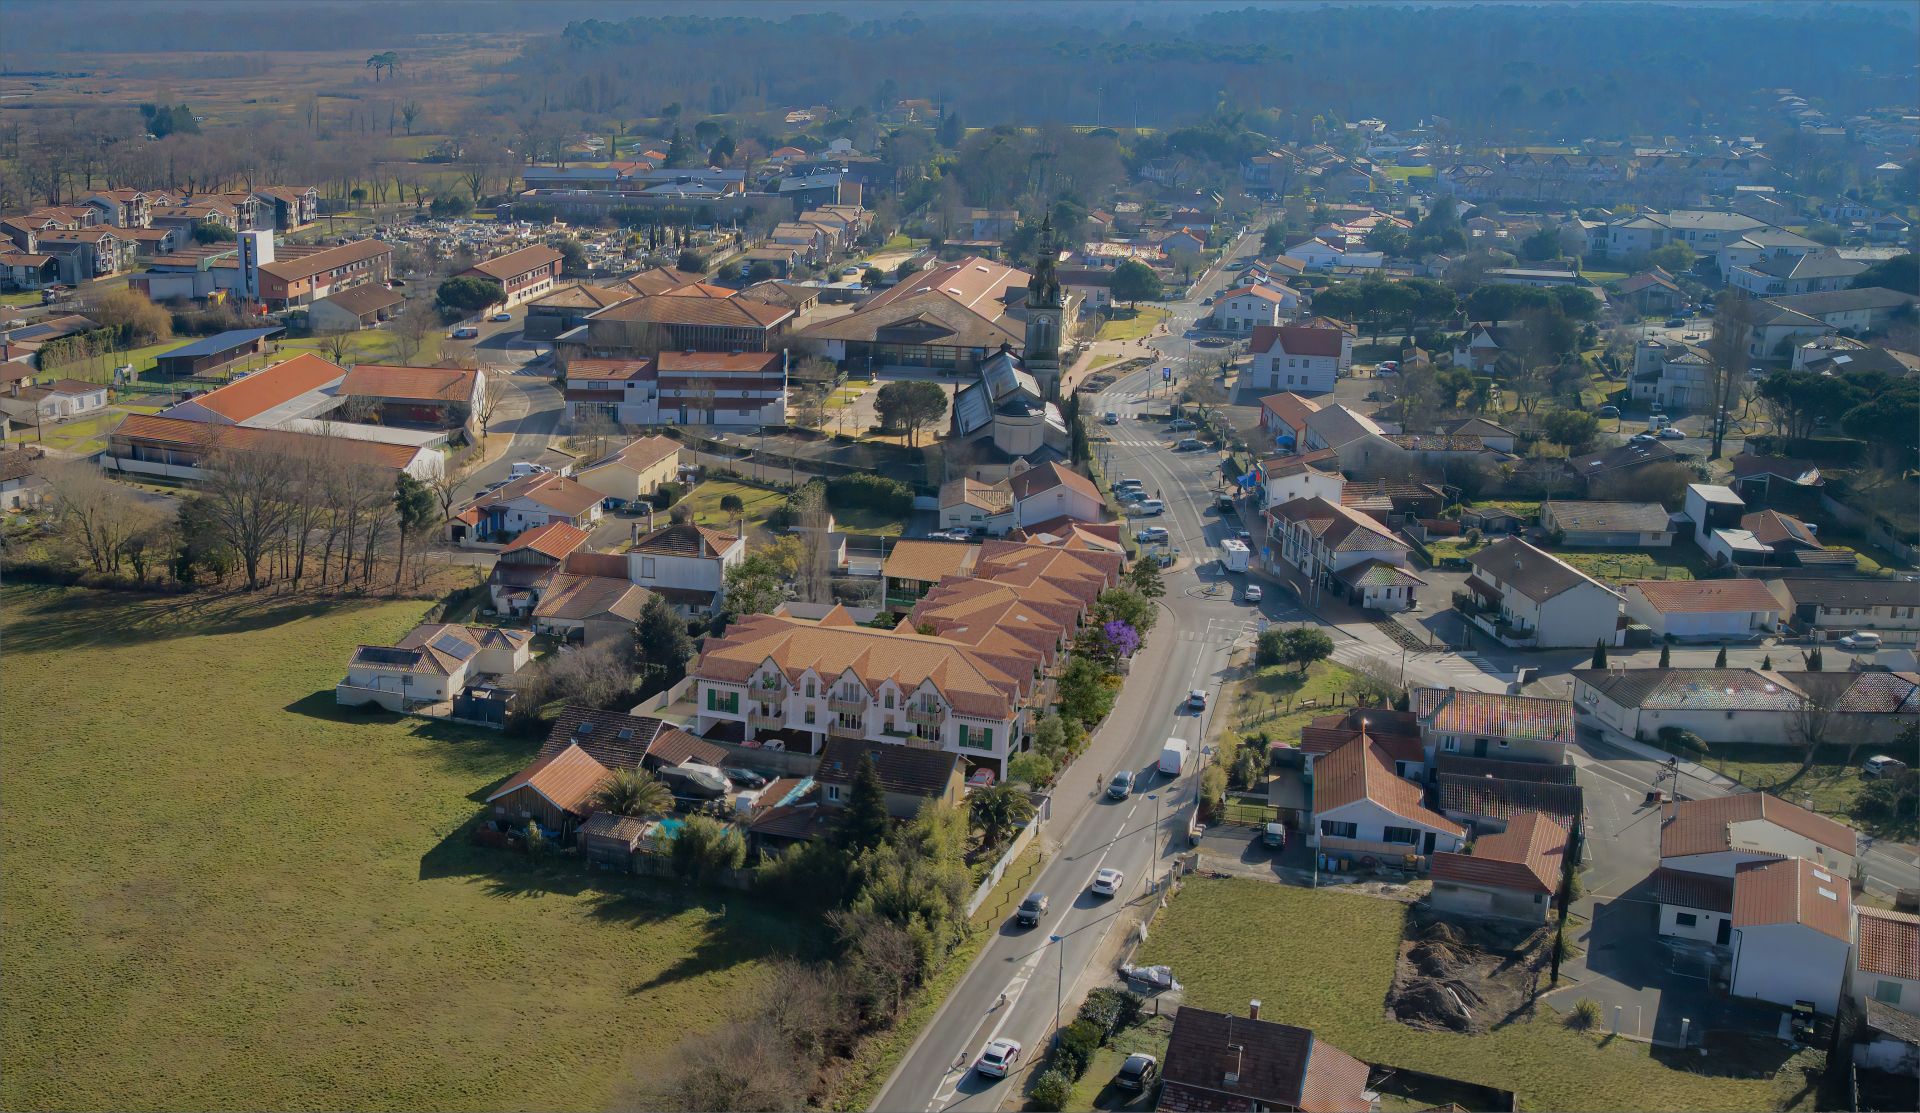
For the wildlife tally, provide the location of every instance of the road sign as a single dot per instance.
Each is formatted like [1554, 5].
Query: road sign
[1166, 374]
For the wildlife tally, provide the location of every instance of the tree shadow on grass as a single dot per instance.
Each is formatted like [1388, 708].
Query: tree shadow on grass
[459, 748]
[51, 619]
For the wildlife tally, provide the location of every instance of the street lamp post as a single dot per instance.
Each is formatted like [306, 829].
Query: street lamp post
[1060, 987]
[1153, 861]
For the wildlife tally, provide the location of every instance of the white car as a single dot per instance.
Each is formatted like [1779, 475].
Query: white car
[501, 318]
[1254, 594]
[1861, 640]
[1151, 534]
[998, 1058]
[1669, 433]
[1107, 883]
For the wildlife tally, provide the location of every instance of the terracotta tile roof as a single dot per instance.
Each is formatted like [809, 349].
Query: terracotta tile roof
[993, 498]
[1484, 797]
[929, 561]
[173, 431]
[909, 770]
[516, 263]
[1493, 715]
[1319, 740]
[764, 363]
[620, 828]
[1046, 477]
[614, 739]
[1219, 1062]
[577, 598]
[368, 297]
[640, 453]
[685, 539]
[1702, 596]
[1296, 340]
[414, 384]
[566, 779]
[609, 370]
[1070, 533]
[549, 489]
[658, 280]
[1340, 528]
[1889, 944]
[581, 295]
[1320, 459]
[830, 648]
[555, 539]
[1705, 891]
[673, 746]
[1526, 856]
[662, 309]
[1770, 527]
[1792, 891]
[1689, 827]
[249, 397]
[1359, 771]
[307, 266]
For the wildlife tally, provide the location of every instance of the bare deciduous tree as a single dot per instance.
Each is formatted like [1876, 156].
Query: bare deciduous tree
[94, 513]
[338, 345]
[249, 496]
[593, 431]
[1733, 318]
[493, 391]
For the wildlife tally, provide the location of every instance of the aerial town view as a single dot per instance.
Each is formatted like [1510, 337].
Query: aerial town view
[817, 555]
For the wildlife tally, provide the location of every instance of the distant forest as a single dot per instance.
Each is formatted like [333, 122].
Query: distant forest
[1554, 70]
[1605, 70]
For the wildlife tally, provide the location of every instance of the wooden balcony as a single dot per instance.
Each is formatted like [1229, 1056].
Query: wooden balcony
[770, 717]
[853, 706]
[840, 730]
[932, 716]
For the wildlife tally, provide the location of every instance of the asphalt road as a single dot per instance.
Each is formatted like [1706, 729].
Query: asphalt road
[533, 409]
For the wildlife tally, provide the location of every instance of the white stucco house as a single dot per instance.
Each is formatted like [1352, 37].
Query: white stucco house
[434, 663]
[686, 565]
[1304, 359]
[1750, 705]
[1704, 610]
[1792, 933]
[1886, 959]
[1530, 598]
[1361, 808]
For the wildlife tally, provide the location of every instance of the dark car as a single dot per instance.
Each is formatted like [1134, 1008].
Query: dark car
[1030, 910]
[1121, 786]
[1137, 1073]
[745, 778]
[1225, 503]
[1676, 322]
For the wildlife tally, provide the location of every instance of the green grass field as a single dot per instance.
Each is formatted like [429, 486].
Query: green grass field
[1269, 699]
[1324, 960]
[1830, 787]
[1141, 323]
[1402, 173]
[758, 501]
[224, 892]
[1616, 565]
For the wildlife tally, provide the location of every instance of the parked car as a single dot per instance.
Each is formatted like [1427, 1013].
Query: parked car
[501, 318]
[1880, 765]
[1387, 368]
[1121, 786]
[1030, 910]
[1181, 425]
[1224, 504]
[1239, 533]
[1671, 433]
[1189, 444]
[1152, 534]
[1644, 438]
[465, 332]
[1254, 594]
[1275, 836]
[1676, 322]
[1863, 639]
[522, 468]
[1213, 342]
[1148, 508]
[1107, 882]
[745, 778]
[998, 1058]
[1609, 411]
[1196, 700]
[1127, 482]
[1137, 1073]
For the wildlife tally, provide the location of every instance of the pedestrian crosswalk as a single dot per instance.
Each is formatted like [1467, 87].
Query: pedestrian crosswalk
[1138, 444]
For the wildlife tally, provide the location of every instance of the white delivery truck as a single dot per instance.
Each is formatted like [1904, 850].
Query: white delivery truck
[1173, 756]
[1237, 554]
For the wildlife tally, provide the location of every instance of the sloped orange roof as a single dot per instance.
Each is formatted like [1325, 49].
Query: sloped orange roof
[264, 389]
[1359, 771]
[566, 778]
[555, 539]
[423, 384]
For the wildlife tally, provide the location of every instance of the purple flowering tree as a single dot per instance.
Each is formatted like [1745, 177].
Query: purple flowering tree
[1122, 637]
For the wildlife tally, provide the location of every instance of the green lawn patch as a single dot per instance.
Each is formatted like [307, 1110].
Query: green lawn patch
[1132, 324]
[1602, 276]
[874, 523]
[20, 298]
[275, 905]
[1676, 563]
[1270, 699]
[1330, 970]
[759, 502]
[1402, 173]
[1829, 787]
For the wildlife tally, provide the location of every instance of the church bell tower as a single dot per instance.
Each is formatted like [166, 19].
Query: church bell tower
[1045, 307]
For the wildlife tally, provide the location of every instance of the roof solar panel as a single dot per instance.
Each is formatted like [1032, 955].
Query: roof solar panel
[458, 649]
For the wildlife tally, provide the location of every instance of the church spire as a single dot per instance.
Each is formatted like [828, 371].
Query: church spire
[1044, 287]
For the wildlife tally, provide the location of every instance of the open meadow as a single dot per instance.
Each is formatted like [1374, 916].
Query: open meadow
[224, 892]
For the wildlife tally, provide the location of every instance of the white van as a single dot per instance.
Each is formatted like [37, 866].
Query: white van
[1173, 756]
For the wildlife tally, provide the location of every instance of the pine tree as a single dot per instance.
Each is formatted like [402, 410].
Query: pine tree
[1599, 653]
[864, 824]
[1767, 662]
[1666, 656]
[1720, 662]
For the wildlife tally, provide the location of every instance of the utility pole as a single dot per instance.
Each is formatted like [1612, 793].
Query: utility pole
[1060, 987]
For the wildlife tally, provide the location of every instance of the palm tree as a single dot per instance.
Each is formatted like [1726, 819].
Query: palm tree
[633, 792]
[997, 811]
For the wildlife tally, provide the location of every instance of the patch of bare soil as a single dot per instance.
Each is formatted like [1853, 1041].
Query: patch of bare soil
[1465, 976]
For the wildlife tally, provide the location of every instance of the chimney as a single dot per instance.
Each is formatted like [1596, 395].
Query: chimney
[1253, 1009]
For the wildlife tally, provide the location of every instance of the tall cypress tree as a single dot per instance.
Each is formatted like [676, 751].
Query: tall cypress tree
[1599, 653]
[1666, 656]
[864, 824]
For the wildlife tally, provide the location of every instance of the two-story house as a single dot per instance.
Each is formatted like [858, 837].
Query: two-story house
[1245, 308]
[1530, 598]
[434, 663]
[1492, 725]
[523, 275]
[1323, 538]
[686, 564]
[532, 500]
[1303, 359]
